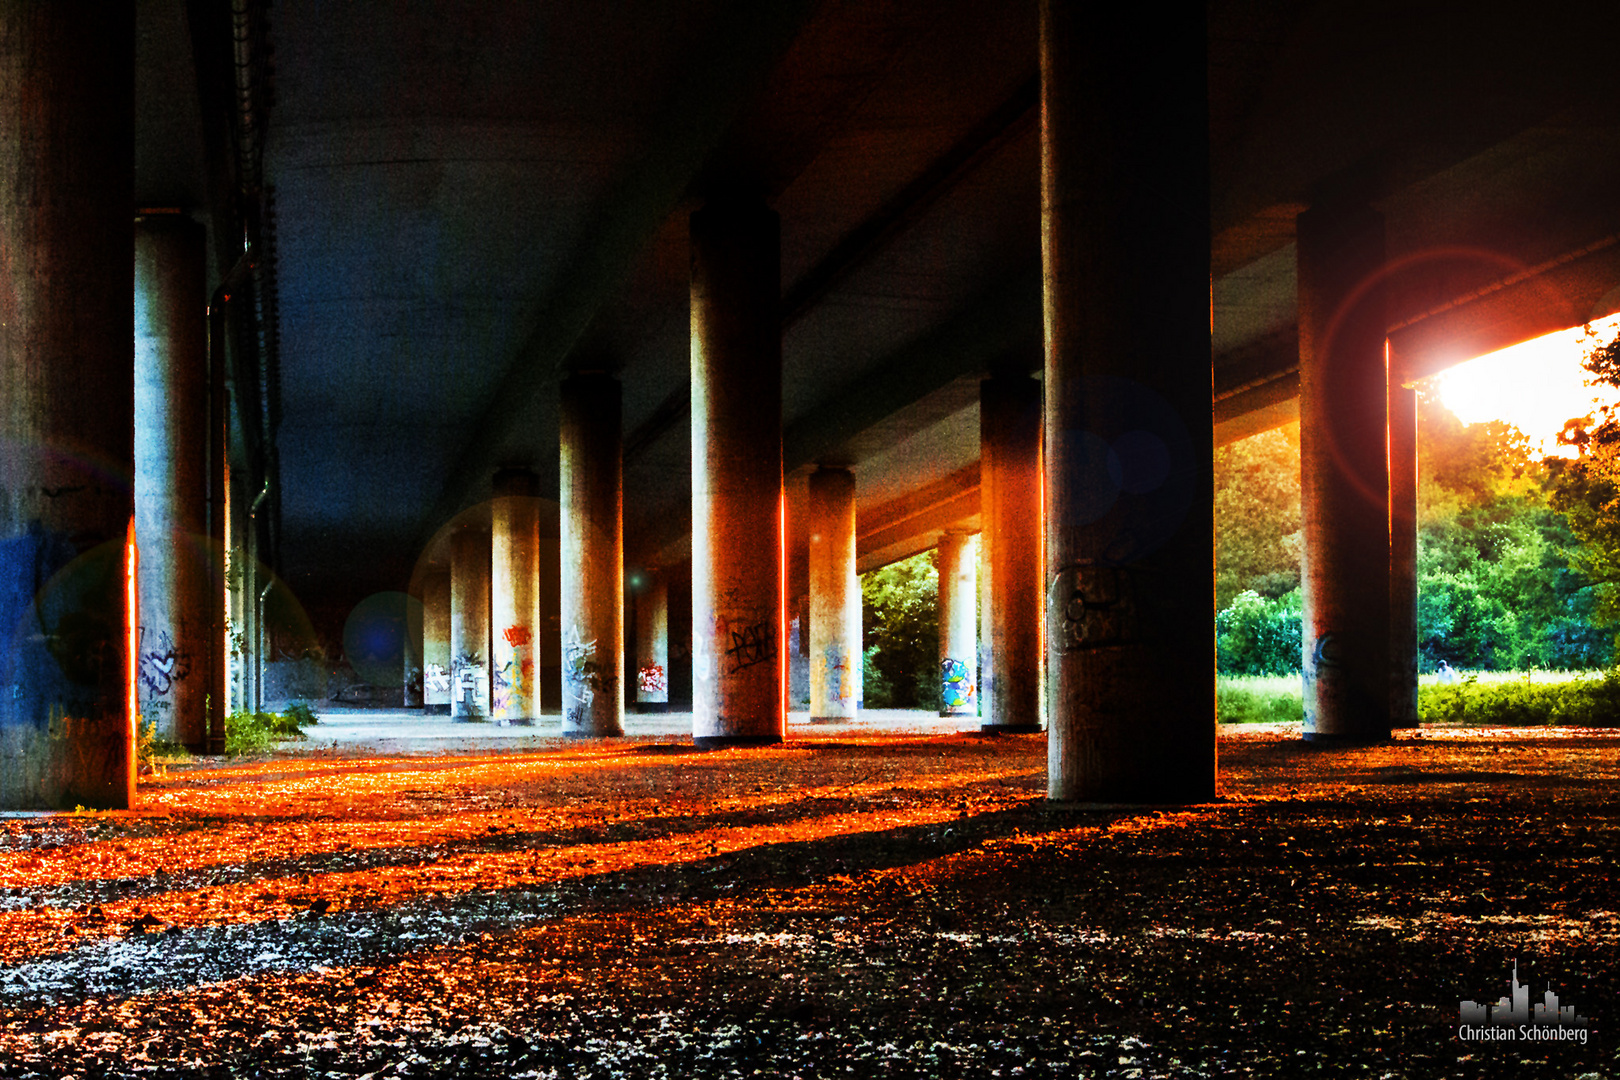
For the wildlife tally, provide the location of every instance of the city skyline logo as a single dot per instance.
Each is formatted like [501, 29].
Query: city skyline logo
[1511, 1018]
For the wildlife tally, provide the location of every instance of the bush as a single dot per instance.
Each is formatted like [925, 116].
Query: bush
[258, 732]
[1522, 703]
[1257, 636]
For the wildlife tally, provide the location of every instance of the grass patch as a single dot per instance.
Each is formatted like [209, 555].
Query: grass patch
[1258, 699]
[258, 732]
[1524, 699]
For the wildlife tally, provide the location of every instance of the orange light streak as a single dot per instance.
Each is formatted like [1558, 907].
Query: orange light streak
[132, 643]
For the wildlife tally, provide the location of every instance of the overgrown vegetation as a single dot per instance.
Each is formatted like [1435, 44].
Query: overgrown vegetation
[1517, 699]
[258, 732]
[1511, 550]
[900, 620]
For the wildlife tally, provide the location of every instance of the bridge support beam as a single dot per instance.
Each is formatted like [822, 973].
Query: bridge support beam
[436, 643]
[738, 633]
[1344, 475]
[1129, 552]
[514, 597]
[171, 482]
[835, 598]
[1010, 550]
[469, 623]
[592, 622]
[958, 624]
[1403, 545]
[66, 406]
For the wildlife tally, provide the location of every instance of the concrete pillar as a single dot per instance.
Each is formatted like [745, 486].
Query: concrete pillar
[469, 623]
[67, 604]
[652, 645]
[592, 515]
[171, 483]
[1403, 545]
[1344, 475]
[1010, 541]
[514, 596]
[1130, 665]
[738, 668]
[958, 624]
[835, 598]
[436, 643]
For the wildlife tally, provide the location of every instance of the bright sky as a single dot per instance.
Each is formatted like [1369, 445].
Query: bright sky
[1535, 385]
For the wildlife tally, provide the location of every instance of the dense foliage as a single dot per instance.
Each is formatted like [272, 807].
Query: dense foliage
[1257, 516]
[900, 617]
[1509, 548]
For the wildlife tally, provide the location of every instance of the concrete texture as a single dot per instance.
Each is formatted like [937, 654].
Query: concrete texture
[67, 607]
[835, 598]
[1130, 662]
[1344, 474]
[739, 635]
[592, 520]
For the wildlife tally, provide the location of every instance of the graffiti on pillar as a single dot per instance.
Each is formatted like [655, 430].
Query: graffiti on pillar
[513, 690]
[1326, 654]
[580, 670]
[1090, 605]
[956, 684]
[471, 683]
[650, 679]
[163, 665]
[833, 669]
[752, 645]
[435, 684]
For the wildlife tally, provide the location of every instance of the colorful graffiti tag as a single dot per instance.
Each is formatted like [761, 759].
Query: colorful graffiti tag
[956, 686]
[833, 669]
[650, 679]
[513, 691]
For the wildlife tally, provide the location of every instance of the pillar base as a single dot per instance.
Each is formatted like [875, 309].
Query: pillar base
[652, 706]
[1010, 729]
[832, 719]
[472, 719]
[516, 723]
[436, 710]
[953, 715]
[724, 742]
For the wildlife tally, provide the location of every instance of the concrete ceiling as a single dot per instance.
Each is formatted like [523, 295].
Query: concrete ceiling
[469, 198]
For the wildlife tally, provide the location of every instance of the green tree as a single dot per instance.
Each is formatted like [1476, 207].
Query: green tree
[1586, 488]
[1257, 520]
[1496, 588]
[900, 617]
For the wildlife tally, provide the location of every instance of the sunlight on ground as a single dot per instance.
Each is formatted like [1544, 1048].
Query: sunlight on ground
[1535, 385]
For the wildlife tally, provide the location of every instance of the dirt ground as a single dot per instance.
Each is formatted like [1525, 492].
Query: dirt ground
[838, 906]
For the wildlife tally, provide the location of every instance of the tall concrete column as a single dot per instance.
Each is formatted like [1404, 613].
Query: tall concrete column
[958, 624]
[171, 483]
[835, 598]
[1403, 545]
[67, 603]
[592, 556]
[514, 597]
[652, 645]
[469, 623]
[1344, 475]
[738, 666]
[1130, 664]
[436, 643]
[1010, 542]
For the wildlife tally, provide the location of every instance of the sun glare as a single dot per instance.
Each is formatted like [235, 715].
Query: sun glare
[1536, 385]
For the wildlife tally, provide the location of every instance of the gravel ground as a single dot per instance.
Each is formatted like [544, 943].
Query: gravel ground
[852, 905]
